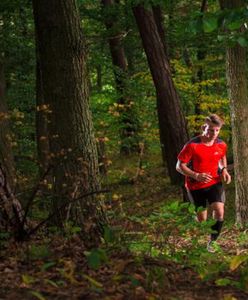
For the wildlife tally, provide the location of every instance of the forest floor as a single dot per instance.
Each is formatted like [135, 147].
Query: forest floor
[153, 250]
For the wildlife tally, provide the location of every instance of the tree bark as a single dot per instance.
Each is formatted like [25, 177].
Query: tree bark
[158, 17]
[99, 78]
[11, 214]
[71, 140]
[6, 154]
[238, 93]
[172, 125]
[42, 115]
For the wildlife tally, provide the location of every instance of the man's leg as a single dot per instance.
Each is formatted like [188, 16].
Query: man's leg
[198, 199]
[202, 215]
[218, 215]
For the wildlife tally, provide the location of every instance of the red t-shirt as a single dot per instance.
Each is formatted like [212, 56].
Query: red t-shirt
[202, 159]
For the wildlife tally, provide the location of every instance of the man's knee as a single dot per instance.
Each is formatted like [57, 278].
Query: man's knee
[218, 210]
[202, 216]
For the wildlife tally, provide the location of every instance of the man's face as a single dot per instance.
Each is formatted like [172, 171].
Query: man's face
[211, 130]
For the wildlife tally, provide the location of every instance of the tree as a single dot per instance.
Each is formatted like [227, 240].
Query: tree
[128, 119]
[73, 153]
[201, 55]
[6, 154]
[42, 113]
[172, 126]
[10, 208]
[238, 92]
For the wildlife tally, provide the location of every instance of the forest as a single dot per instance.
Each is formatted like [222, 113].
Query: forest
[97, 100]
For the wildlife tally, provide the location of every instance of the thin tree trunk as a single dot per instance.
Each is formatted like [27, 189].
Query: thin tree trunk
[128, 120]
[72, 144]
[158, 17]
[172, 125]
[238, 92]
[201, 54]
[99, 78]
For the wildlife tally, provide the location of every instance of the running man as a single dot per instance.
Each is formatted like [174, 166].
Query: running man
[203, 162]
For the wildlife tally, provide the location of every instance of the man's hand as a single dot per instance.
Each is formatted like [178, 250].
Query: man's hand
[226, 177]
[203, 177]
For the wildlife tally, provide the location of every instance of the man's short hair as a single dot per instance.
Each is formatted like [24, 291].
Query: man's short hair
[215, 119]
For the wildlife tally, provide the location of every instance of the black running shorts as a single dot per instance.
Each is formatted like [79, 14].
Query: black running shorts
[209, 195]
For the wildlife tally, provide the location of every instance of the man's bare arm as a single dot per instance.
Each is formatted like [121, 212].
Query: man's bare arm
[185, 170]
[224, 172]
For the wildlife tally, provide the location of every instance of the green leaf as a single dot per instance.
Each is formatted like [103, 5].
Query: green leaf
[108, 235]
[39, 252]
[38, 295]
[27, 279]
[76, 229]
[195, 26]
[134, 281]
[235, 24]
[191, 208]
[96, 257]
[51, 282]
[221, 38]
[47, 265]
[237, 261]
[242, 41]
[210, 24]
[93, 281]
[174, 206]
[223, 282]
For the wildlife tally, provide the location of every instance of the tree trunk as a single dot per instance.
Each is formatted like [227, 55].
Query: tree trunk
[71, 139]
[6, 155]
[42, 114]
[11, 214]
[128, 120]
[158, 17]
[201, 54]
[172, 125]
[238, 92]
[99, 78]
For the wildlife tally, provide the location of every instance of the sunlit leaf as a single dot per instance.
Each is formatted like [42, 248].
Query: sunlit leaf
[229, 297]
[237, 261]
[93, 281]
[27, 279]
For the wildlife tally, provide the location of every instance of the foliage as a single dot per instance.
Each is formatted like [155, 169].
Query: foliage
[164, 241]
[38, 252]
[164, 229]
[18, 56]
[173, 233]
[96, 257]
